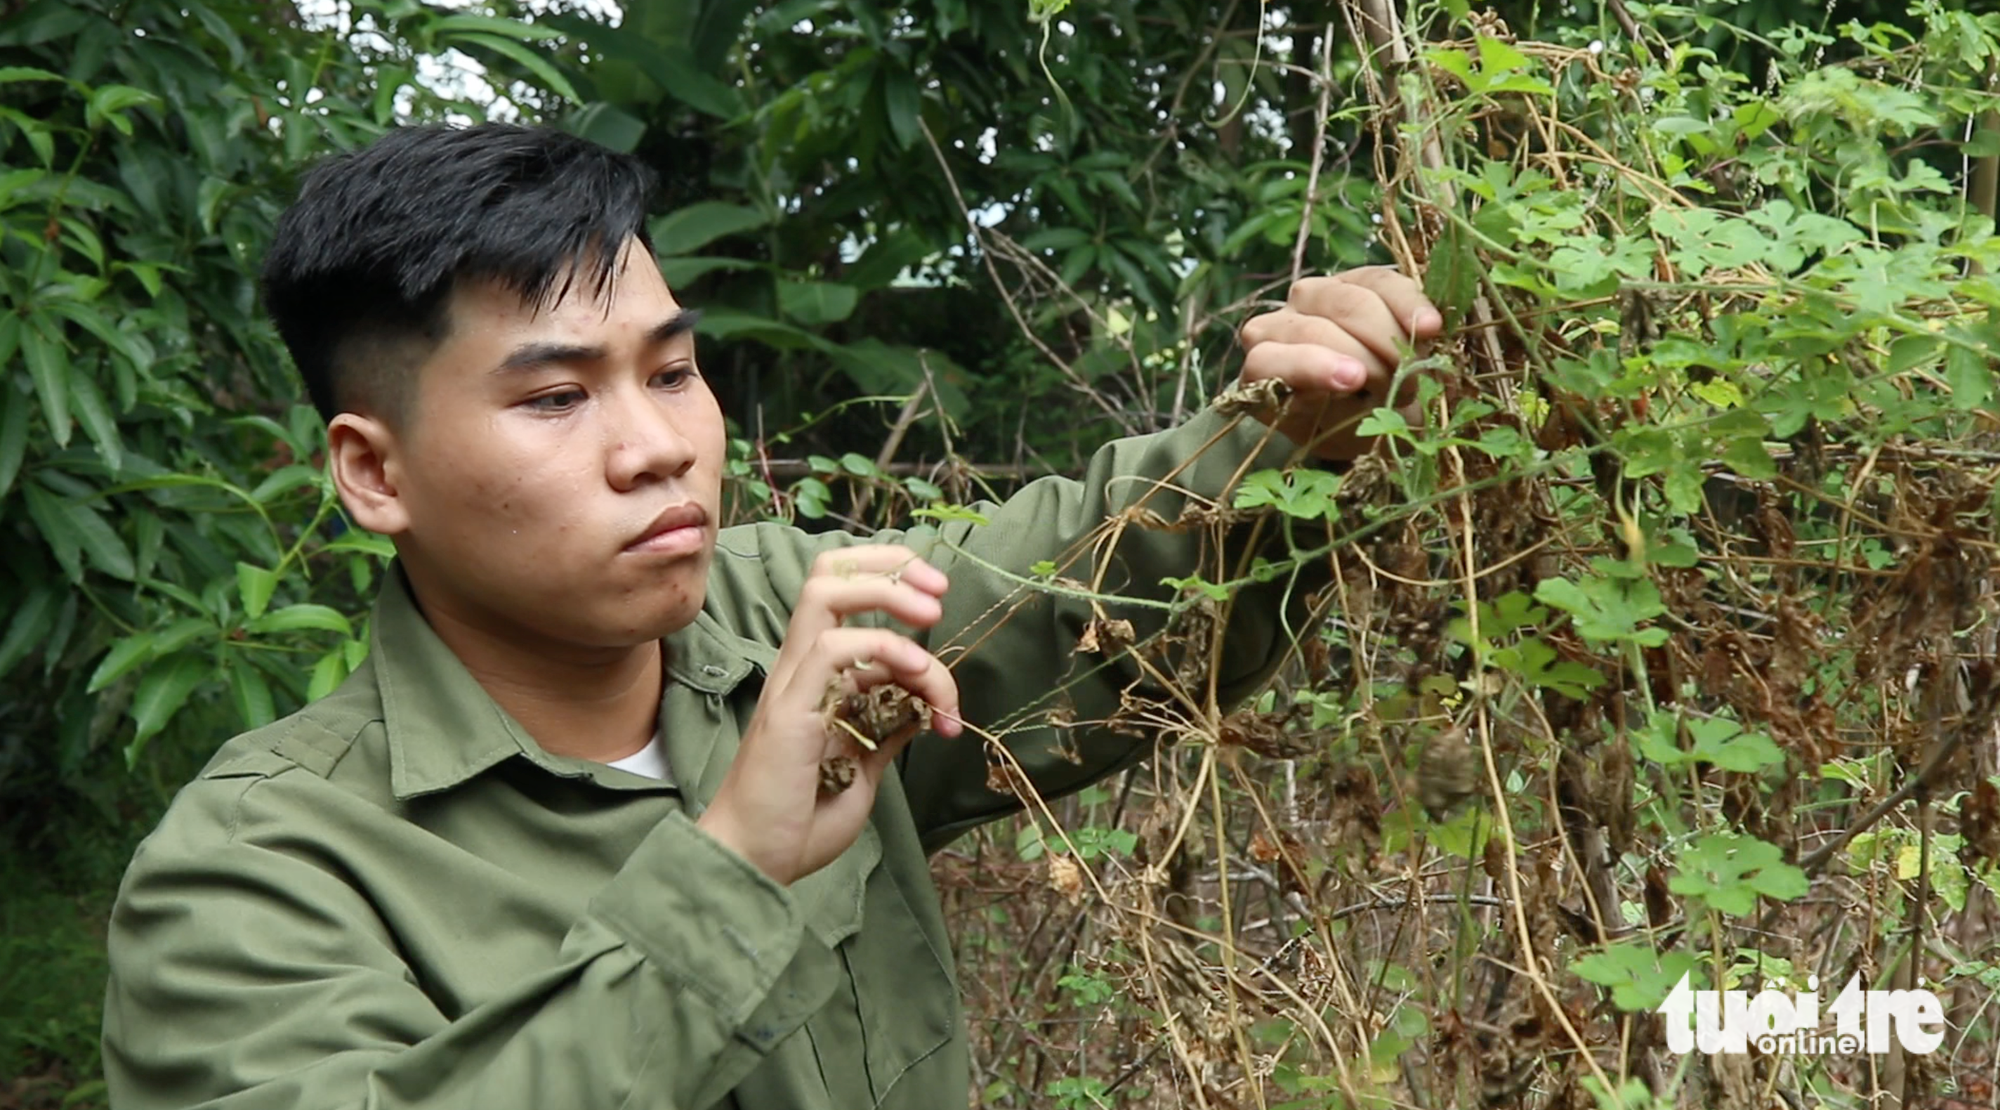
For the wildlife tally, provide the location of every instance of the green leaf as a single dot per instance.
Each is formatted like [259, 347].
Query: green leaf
[1639, 977]
[679, 272]
[1717, 740]
[251, 693]
[1912, 351]
[904, 102]
[98, 423]
[1748, 457]
[534, 63]
[327, 675]
[1499, 56]
[70, 526]
[697, 225]
[124, 655]
[208, 200]
[1452, 61]
[11, 74]
[1195, 583]
[810, 496]
[1683, 487]
[946, 514]
[1731, 872]
[180, 634]
[13, 436]
[1077, 263]
[48, 367]
[255, 585]
[1607, 609]
[813, 303]
[1451, 277]
[1383, 421]
[1307, 494]
[726, 323]
[884, 261]
[162, 692]
[1849, 770]
[1538, 665]
[1502, 68]
[1464, 835]
[685, 82]
[859, 465]
[296, 618]
[109, 104]
[1502, 442]
[282, 481]
[1720, 392]
[1969, 375]
[1056, 238]
[1028, 843]
[33, 618]
[491, 25]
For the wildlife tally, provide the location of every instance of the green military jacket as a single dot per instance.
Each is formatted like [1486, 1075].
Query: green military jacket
[395, 898]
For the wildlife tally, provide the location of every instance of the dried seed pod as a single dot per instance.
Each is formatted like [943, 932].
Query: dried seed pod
[1104, 636]
[1260, 398]
[1065, 877]
[1447, 772]
[836, 774]
[885, 715]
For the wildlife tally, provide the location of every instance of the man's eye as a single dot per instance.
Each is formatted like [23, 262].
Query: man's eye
[556, 402]
[673, 377]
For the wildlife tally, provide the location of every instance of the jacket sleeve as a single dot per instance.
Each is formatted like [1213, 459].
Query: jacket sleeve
[248, 971]
[1014, 648]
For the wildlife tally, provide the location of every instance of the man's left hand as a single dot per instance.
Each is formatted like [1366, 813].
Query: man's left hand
[1337, 343]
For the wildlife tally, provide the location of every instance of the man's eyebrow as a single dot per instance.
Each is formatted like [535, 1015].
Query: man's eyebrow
[678, 323]
[531, 355]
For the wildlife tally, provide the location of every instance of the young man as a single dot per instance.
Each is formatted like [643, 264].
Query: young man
[561, 841]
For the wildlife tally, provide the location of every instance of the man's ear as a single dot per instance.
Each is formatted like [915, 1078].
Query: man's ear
[366, 458]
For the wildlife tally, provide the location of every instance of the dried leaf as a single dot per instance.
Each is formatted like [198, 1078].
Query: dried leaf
[1105, 637]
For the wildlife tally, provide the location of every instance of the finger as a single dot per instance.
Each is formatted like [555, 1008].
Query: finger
[1344, 340]
[866, 578]
[935, 687]
[1405, 299]
[1316, 367]
[826, 601]
[890, 559]
[1355, 309]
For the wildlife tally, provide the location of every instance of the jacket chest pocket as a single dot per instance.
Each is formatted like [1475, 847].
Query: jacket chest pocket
[898, 1007]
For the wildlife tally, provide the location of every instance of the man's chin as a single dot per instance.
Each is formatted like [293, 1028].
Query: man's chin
[634, 622]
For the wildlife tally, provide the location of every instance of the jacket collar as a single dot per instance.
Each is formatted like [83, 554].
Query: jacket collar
[444, 728]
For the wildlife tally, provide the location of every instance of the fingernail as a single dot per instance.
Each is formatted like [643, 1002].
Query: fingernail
[1348, 373]
[1429, 319]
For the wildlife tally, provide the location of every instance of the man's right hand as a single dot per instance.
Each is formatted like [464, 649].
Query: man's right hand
[769, 808]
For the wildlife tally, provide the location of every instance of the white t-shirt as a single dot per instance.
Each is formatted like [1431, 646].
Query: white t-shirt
[650, 761]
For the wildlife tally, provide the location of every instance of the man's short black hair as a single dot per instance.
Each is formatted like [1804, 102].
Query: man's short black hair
[362, 265]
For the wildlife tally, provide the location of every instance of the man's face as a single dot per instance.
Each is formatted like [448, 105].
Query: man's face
[545, 453]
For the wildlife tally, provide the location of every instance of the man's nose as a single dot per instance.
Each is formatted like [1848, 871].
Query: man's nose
[647, 441]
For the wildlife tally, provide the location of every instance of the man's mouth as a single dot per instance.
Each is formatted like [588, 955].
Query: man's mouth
[680, 530]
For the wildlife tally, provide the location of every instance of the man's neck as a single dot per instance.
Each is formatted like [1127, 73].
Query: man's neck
[598, 704]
